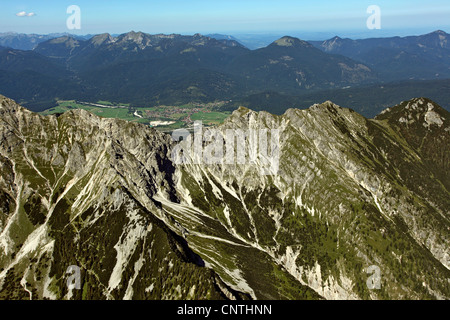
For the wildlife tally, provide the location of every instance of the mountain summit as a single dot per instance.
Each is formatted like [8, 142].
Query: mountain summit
[292, 65]
[426, 127]
[287, 41]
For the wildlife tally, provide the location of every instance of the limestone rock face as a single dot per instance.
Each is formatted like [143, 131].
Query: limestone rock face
[349, 195]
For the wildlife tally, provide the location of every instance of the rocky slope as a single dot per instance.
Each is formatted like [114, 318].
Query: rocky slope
[76, 191]
[107, 196]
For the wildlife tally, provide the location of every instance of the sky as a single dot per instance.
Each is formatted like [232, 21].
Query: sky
[327, 17]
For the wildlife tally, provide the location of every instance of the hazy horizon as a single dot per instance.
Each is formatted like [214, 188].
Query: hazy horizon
[309, 36]
[310, 21]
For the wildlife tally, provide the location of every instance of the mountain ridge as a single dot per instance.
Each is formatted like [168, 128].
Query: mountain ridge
[175, 69]
[412, 57]
[340, 203]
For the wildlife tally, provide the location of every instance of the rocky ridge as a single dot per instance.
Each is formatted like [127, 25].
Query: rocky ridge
[106, 195]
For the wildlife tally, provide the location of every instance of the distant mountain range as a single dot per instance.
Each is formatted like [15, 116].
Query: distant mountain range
[216, 68]
[396, 58]
[144, 69]
[23, 41]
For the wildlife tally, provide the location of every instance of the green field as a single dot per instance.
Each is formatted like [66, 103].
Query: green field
[211, 118]
[120, 113]
[177, 114]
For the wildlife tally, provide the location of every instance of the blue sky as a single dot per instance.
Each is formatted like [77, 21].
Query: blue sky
[231, 17]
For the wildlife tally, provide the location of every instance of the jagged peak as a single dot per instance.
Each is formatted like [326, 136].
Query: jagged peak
[240, 112]
[101, 39]
[416, 111]
[141, 39]
[133, 33]
[440, 32]
[417, 105]
[10, 110]
[64, 39]
[334, 39]
[7, 103]
[329, 109]
[133, 36]
[245, 117]
[327, 105]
